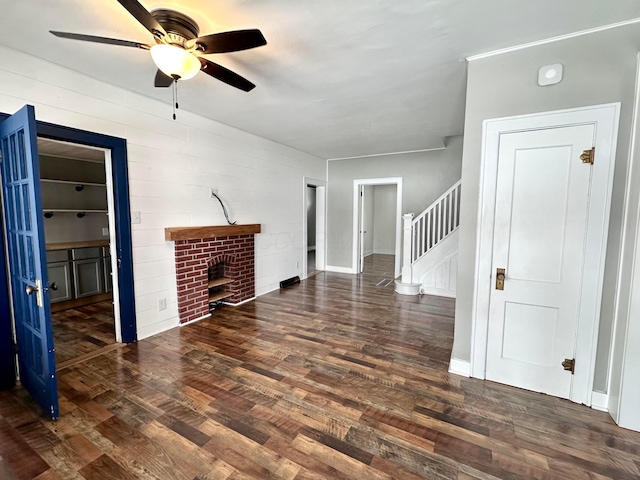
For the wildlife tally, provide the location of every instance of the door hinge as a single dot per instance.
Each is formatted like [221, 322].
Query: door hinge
[15, 349]
[569, 364]
[588, 155]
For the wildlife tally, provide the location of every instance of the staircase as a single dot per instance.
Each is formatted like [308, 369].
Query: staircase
[430, 248]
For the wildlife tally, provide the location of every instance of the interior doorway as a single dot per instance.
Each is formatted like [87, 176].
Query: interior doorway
[311, 228]
[27, 347]
[74, 189]
[377, 226]
[378, 229]
[314, 226]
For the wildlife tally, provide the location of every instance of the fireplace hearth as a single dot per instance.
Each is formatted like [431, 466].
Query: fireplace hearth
[212, 270]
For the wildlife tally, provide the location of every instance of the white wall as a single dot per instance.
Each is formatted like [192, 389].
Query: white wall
[384, 219]
[172, 165]
[425, 176]
[598, 68]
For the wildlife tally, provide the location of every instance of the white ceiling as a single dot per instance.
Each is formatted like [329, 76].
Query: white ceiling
[338, 78]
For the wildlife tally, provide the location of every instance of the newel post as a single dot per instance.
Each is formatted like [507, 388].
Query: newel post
[406, 248]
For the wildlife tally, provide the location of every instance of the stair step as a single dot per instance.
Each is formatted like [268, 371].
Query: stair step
[220, 281]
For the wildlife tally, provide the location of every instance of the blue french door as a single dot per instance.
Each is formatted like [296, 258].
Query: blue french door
[24, 226]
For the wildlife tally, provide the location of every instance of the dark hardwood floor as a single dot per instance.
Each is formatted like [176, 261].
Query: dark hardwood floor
[378, 269]
[82, 331]
[333, 378]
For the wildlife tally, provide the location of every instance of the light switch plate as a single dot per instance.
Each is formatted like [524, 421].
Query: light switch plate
[105, 232]
[135, 217]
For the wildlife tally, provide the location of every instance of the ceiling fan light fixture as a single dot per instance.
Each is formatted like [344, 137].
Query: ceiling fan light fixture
[175, 61]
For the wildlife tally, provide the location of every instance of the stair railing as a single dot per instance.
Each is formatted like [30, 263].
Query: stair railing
[435, 223]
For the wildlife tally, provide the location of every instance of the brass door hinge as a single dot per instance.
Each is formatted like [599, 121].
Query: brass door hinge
[569, 364]
[588, 155]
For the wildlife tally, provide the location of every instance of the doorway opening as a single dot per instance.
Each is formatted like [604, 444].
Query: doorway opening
[314, 224]
[77, 202]
[311, 229]
[377, 227]
[26, 326]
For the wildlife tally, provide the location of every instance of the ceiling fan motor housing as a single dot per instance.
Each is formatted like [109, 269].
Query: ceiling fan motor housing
[178, 26]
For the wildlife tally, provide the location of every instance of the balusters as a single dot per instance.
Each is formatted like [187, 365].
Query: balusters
[435, 223]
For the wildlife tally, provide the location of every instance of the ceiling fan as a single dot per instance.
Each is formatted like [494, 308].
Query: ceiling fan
[178, 48]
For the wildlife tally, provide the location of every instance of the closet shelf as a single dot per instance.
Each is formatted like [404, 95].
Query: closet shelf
[70, 182]
[75, 210]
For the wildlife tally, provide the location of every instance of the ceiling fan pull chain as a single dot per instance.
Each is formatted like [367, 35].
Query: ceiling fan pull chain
[175, 98]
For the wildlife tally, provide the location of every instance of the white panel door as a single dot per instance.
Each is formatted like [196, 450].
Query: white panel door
[541, 213]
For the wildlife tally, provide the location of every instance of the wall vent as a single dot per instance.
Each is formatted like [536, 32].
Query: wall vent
[289, 281]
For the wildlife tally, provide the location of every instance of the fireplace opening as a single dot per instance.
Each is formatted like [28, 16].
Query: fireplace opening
[219, 285]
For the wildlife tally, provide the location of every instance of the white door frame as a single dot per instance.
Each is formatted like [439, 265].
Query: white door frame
[605, 117]
[397, 181]
[321, 219]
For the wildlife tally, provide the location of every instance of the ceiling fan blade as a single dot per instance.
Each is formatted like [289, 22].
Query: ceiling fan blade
[225, 75]
[229, 41]
[162, 80]
[94, 39]
[144, 17]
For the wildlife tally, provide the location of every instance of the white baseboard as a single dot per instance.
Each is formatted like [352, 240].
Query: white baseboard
[332, 268]
[194, 321]
[240, 303]
[600, 401]
[460, 367]
[437, 292]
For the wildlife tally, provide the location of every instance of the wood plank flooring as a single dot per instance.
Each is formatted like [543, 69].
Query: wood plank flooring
[333, 378]
[82, 330]
[378, 269]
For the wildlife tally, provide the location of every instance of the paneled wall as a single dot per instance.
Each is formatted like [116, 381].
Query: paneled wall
[172, 166]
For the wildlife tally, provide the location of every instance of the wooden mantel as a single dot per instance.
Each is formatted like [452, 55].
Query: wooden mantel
[213, 231]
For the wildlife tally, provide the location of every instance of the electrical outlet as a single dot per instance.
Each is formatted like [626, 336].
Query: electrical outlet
[105, 232]
[214, 191]
[135, 217]
[162, 304]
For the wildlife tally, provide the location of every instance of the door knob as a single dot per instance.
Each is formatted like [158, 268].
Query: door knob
[53, 286]
[30, 290]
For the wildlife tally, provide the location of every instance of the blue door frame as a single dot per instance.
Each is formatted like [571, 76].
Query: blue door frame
[118, 147]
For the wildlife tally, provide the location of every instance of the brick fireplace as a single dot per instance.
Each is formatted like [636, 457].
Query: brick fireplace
[213, 265]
